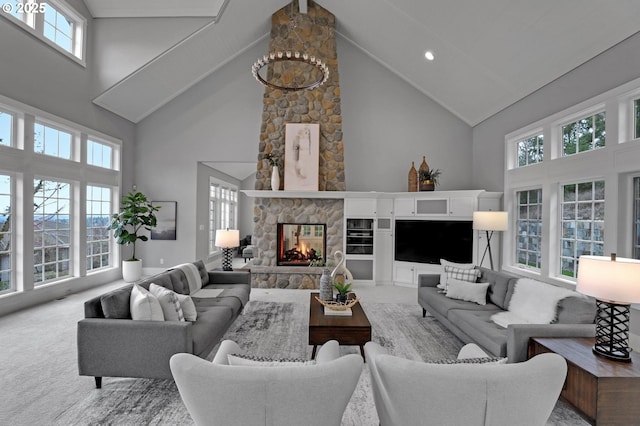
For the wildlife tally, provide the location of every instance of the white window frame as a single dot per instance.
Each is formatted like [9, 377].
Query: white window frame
[516, 209]
[109, 239]
[114, 153]
[11, 231]
[587, 113]
[216, 220]
[537, 136]
[14, 120]
[34, 24]
[73, 148]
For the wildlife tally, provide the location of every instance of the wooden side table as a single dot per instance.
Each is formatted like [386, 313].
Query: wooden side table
[605, 392]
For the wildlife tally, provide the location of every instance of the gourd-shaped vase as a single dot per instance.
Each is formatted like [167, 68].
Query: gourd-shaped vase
[275, 179]
[413, 179]
[326, 285]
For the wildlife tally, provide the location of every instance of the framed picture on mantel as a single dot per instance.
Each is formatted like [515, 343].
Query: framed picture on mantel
[301, 156]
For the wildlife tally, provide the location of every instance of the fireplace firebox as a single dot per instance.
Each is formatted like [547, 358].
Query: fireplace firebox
[301, 243]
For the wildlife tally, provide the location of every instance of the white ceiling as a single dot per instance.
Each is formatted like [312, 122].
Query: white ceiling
[489, 53]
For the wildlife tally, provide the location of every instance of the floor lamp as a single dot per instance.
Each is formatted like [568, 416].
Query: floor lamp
[227, 239]
[489, 222]
[615, 283]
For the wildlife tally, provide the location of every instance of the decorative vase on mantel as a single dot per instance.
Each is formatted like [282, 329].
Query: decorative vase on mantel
[275, 179]
[413, 179]
[326, 285]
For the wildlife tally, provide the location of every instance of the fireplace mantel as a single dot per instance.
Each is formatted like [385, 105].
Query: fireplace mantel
[327, 195]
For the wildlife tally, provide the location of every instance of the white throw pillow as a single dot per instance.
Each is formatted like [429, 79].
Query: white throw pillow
[256, 361]
[168, 302]
[188, 307]
[144, 305]
[443, 273]
[470, 292]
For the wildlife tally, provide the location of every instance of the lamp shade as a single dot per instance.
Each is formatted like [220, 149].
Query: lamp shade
[490, 221]
[227, 238]
[609, 280]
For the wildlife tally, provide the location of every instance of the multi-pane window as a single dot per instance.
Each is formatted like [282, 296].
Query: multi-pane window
[51, 230]
[58, 28]
[529, 228]
[51, 141]
[223, 202]
[582, 224]
[99, 154]
[6, 128]
[636, 218]
[97, 222]
[530, 150]
[585, 134]
[636, 115]
[5, 234]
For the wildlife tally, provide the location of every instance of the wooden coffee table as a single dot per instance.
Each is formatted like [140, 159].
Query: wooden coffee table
[352, 330]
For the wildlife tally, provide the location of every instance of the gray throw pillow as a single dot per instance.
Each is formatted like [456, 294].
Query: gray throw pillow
[115, 304]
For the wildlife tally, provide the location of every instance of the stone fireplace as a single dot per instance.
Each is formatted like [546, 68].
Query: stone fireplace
[314, 34]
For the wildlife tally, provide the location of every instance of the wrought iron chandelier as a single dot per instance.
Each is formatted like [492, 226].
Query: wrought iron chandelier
[291, 56]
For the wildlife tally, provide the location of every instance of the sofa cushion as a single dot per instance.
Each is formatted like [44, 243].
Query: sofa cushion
[232, 303]
[260, 361]
[433, 300]
[463, 290]
[240, 291]
[115, 304]
[202, 270]
[481, 329]
[144, 305]
[212, 322]
[576, 310]
[498, 288]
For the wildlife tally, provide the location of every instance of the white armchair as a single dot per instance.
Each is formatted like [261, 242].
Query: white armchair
[216, 393]
[417, 393]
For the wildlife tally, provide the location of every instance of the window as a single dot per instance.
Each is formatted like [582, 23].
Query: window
[99, 154]
[6, 283]
[636, 218]
[223, 201]
[50, 141]
[97, 222]
[582, 224]
[6, 128]
[52, 21]
[52, 230]
[530, 150]
[636, 111]
[583, 135]
[529, 228]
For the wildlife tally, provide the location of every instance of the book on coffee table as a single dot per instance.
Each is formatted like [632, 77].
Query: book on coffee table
[345, 313]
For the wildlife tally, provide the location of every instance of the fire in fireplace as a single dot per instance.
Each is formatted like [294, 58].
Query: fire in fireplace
[300, 243]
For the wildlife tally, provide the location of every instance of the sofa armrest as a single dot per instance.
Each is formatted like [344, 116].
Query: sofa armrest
[518, 336]
[229, 277]
[428, 280]
[128, 348]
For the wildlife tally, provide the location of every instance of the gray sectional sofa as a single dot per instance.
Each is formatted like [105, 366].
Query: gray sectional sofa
[472, 322]
[111, 344]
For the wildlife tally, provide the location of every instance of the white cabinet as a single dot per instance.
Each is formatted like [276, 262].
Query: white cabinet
[406, 273]
[360, 207]
[435, 206]
[404, 206]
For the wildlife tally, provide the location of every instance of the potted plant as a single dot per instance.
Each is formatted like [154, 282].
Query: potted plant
[274, 161]
[136, 213]
[428, 179]
[343, 291]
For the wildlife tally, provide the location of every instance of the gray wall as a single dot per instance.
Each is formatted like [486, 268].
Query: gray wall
[611, 69]
[386, 123]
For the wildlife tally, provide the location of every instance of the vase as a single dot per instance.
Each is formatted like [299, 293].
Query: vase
[275, 179]
[326, 285]
[413, 179]
[131, 270]
[427, 185]
[342, 298]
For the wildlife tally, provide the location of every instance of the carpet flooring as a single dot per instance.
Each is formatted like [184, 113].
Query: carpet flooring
[274, 329]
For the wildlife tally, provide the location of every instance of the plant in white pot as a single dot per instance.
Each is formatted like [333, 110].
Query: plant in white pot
[136, 213]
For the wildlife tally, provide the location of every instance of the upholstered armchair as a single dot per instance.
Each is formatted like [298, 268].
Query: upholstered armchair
[216, 393]
[418, 393]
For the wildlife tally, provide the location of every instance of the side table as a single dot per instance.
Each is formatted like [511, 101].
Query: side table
[605, 392]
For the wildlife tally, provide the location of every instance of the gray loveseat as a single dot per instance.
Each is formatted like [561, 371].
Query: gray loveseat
[111, 344]
[472, 322]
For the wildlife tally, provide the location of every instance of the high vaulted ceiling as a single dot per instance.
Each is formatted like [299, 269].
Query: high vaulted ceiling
[488, 53]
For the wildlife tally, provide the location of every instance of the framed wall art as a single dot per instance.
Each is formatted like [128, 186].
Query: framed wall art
[165, 228]
[301, 156]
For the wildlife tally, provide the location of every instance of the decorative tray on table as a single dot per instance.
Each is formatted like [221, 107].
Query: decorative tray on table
[338, 306]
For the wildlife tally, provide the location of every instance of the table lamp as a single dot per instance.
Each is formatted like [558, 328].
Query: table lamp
[489, 222]
[227, 239]
[615, 283]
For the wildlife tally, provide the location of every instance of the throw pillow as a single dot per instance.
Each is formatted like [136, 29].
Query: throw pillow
[144, 305]
[115, 304]
[470, 275]
[258, 361]
[464, 290]
[188, 307]
[168, 302]
[443, 274]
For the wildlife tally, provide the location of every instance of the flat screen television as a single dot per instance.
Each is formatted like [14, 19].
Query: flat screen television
[428, 241]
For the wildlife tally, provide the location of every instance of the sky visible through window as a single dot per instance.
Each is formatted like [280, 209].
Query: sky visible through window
[6, 124]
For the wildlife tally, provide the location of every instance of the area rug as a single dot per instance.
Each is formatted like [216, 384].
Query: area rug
[279, 330]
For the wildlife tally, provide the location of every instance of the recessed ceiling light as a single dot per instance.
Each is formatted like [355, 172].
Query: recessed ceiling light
[429, 55]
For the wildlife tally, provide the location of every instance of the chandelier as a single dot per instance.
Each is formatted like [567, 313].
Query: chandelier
[295, 58]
